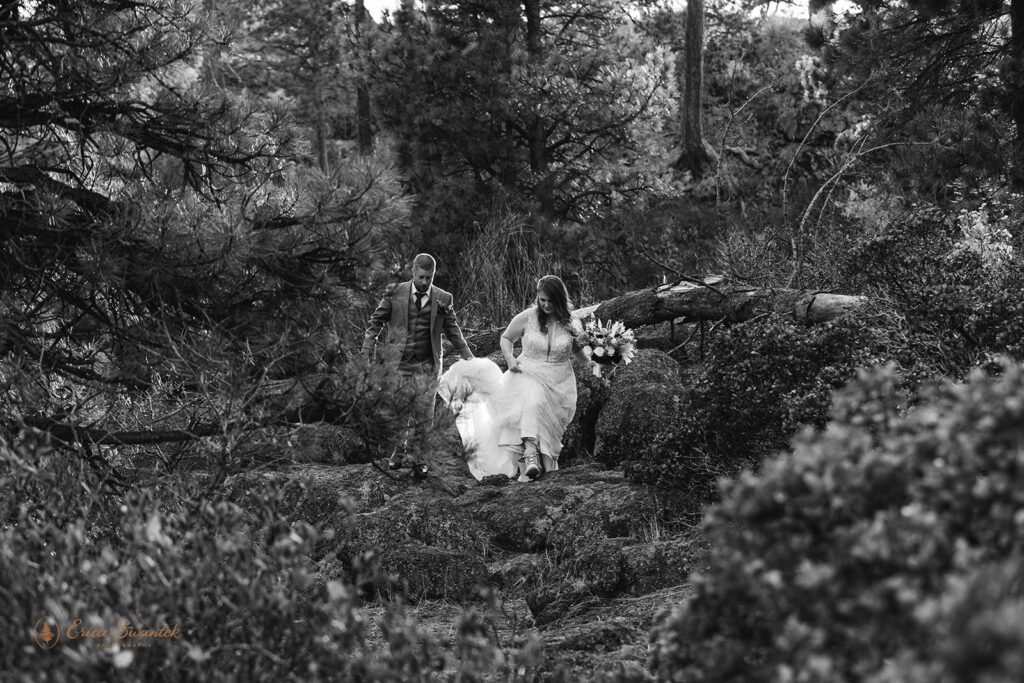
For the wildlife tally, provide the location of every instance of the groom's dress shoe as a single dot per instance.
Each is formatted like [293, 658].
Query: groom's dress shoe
[395, 461]
[419, 470]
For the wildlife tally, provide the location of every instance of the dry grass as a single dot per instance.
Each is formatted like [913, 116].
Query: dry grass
[499, 272]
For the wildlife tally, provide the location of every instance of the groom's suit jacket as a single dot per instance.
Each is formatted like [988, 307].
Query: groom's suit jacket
[393, 313]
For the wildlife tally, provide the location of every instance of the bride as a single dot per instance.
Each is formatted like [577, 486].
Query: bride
[514, 421]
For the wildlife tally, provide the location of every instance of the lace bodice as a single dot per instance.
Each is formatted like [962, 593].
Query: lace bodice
[553, 347]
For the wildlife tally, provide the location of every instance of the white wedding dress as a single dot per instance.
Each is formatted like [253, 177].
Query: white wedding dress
[496, 410]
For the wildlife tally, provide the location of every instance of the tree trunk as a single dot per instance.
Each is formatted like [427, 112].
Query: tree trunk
[1015, 86]
[532, 8]
[544, 188]
[321, 134]
[697, 156]
[734, 303]
[712, 301]
[364, 120]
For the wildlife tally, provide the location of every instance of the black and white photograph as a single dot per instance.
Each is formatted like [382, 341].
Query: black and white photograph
[495, 341]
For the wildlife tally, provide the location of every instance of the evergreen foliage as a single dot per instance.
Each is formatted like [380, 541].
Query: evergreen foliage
[165, 260]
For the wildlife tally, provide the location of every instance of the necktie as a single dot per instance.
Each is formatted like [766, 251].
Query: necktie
[420, 297]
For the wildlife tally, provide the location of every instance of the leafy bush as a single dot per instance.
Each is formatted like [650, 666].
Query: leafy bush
[230, 579]
[958, 277]
[239, 582]
[836, 560]
[764, 381]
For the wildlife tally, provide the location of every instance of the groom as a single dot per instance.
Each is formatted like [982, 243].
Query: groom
[416, 313]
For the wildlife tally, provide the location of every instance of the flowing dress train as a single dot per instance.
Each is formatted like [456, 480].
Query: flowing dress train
[497, 411]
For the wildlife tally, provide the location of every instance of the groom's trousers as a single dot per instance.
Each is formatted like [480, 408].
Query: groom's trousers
[421, 417]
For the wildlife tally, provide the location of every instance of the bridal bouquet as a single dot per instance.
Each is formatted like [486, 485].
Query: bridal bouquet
[607, 343]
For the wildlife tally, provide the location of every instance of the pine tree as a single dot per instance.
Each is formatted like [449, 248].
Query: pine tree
[162, 254]
[554, 105]
[958, 54]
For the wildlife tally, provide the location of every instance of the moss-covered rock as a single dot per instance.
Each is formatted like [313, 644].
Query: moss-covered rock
[426, 572]
[600, 636]
[644, 399]
[648, 567]
[578, 500]
[420, 516]
[636, 416]
[553, 602]
[597, 567]
[318, 494]
[518, 517]
[413, 570]
[648, 366]
[515, 570]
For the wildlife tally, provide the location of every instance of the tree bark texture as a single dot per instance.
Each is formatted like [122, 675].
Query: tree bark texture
[543, 191]
[697, 155]
[1015, 87]
[695, 302]
[730, 302]
[364, 120]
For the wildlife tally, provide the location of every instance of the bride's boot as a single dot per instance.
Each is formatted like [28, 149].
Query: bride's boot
[532, 458]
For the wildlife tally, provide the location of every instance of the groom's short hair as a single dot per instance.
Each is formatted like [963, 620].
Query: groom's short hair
[424, 262]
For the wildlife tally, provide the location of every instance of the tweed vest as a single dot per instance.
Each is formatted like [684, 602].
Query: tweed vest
[417, 341]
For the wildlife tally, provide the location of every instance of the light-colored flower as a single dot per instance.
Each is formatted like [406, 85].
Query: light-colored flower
[599, 351]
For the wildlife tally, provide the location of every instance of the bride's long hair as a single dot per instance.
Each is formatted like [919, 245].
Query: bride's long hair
[558, 295]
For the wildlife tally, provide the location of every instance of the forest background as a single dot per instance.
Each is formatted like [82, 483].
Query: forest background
[202, 201]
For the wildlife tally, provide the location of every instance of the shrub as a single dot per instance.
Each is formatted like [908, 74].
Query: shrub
[239, 583]
[764, 381]
[160, 557]
[837, 557]
[979, 632]
[957, 278]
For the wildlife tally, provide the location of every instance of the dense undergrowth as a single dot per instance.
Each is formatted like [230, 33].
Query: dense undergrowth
[885, 548]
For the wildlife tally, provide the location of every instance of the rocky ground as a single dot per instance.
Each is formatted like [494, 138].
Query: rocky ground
[575, 567]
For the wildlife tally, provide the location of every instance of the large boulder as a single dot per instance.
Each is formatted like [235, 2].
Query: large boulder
[648, 366]
[421, 516]
[599, 568]
[319, 494]
[414, 570]
[424, 572]
[601, 636]
[647, 567]
[560, 600]
[562, 504]
[644, 399]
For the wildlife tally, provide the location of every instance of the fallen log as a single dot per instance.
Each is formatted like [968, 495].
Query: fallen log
[711, 299]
